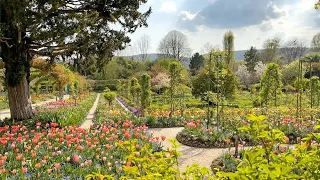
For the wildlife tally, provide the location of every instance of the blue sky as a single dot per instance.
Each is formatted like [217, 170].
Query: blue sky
[252, 21]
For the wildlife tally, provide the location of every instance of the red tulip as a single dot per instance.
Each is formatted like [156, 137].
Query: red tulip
[75, 158]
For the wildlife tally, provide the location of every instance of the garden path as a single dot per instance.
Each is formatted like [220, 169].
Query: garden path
[88, 122]
[5, 113]
[191, 155]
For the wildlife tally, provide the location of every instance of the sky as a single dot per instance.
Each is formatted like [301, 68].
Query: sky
[251, 21]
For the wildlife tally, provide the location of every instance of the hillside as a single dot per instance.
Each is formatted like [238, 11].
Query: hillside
[239, 55]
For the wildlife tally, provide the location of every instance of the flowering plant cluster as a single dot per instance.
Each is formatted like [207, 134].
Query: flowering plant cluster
[41, 97]
[274, 159]
[70, 152]
[213, 133]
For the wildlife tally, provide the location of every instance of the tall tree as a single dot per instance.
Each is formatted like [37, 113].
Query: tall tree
[270, 50]
[228, 46]
[51, 28]
[175, 69]
[144, 46]
[196, 62]
[315, 43]
[145, 92]
[271, 84]
[174, 45]
[293, 49]
[251, 57]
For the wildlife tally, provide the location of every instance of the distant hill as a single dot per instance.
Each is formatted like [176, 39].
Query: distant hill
[239, 55]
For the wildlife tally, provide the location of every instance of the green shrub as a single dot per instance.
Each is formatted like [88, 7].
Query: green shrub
[110, 96]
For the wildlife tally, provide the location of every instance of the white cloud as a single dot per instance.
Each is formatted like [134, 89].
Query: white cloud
[168, 6]
[187, 15]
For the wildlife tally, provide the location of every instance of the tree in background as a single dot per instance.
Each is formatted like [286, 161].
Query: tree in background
[290, 72]
[145, 96]
[144, 46]
[315, 43]
[251, 57]
[175, 70]
[244, 75]
[174, 45]
[160, 81]
[53, 28]
[196, 62]
[293, 49]
[259, 70]
[270, 50]
[135, 90]
[228, 46]
[271, 84]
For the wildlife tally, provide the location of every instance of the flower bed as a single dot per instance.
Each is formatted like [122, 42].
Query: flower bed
[201, 133]
[154, 119]
[71, 152]
[41, 97]
[61, 114]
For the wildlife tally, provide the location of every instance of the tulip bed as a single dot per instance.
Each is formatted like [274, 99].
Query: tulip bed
[41, 97]
[201, 133]
[71, 152]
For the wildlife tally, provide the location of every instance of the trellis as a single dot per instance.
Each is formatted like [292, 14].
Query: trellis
[310, 58]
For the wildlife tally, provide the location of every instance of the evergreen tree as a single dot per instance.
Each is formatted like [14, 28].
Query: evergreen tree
[251, 57]
[196, 62]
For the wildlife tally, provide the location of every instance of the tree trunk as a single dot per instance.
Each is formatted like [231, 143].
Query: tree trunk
[20, 101]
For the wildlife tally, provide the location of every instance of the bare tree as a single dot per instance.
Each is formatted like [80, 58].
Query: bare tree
[144, 46]
[315, 43]
[293, 49]
[174, 45]
[207, 48]
[270, 50]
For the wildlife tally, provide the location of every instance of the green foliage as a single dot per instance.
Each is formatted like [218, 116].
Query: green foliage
[274, 160]
[100, 85]
[145, 91]
[110, 96]
[196, 62]
[251, 57]
[291, 72]
[135, 90]
[175, 69]
[271, 84]
[228, 46]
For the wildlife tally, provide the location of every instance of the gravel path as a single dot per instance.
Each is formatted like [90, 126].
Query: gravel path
[88, 122]
[201, 156]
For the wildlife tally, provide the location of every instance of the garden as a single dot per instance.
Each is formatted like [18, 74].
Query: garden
[80, 100]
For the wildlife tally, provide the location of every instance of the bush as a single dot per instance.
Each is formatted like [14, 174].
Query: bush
[110, 96]
[100, 85]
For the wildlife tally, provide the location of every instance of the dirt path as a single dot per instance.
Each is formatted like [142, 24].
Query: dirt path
[88, 122]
